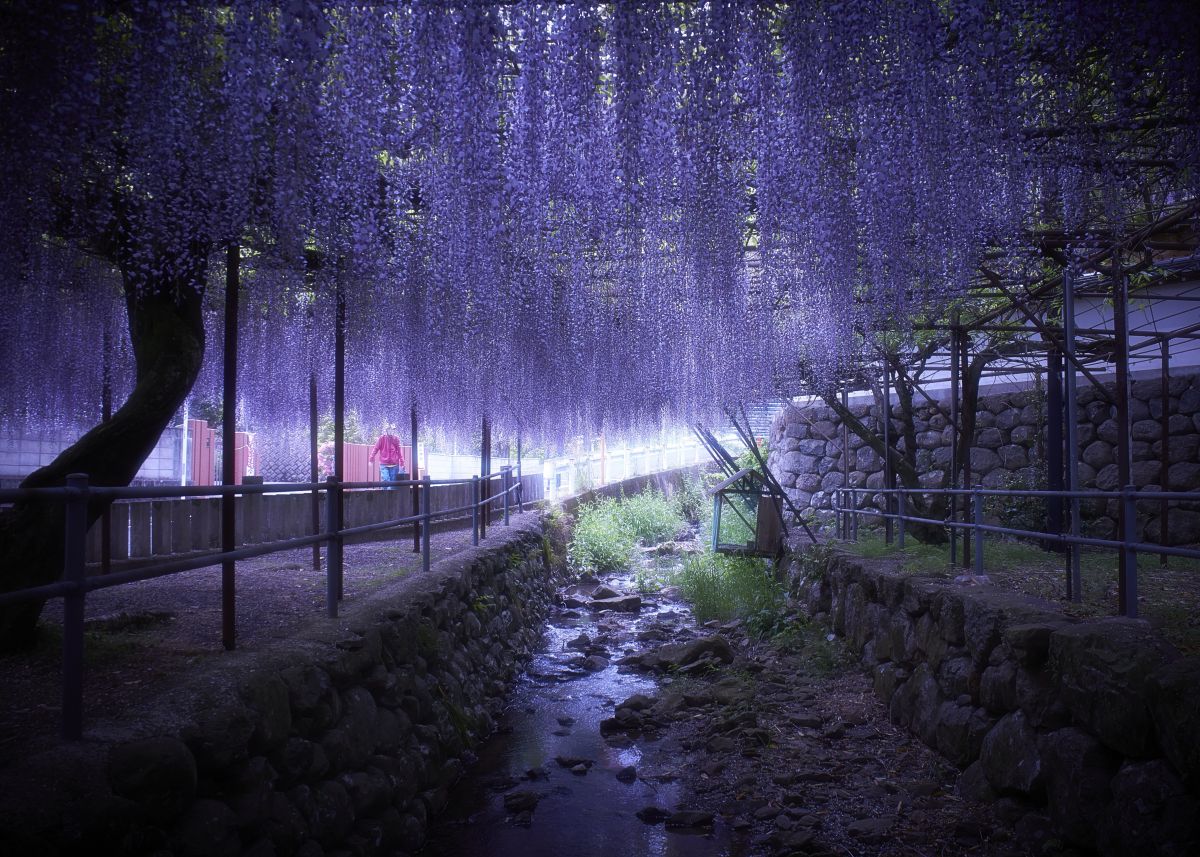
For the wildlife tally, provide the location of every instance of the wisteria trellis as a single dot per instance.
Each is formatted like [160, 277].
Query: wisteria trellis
[564, 215]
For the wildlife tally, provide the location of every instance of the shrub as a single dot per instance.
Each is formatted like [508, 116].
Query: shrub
[725, 587]
[649, 517]
[690, 501]
[601, 540]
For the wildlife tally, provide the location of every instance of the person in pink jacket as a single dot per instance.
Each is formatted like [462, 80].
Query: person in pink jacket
[390, 454]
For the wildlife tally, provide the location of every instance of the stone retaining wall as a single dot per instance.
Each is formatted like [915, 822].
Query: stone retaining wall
[807, 455]
[1094, 722]
[340, 741]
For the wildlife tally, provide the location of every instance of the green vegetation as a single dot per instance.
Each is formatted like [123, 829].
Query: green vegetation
[650, 517]
[690, 501]
[607, 530]
[725, 587]
[915, 557]
[600, 541]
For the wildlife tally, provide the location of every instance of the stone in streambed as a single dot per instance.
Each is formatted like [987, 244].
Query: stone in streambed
[525, 800]
[603, 591]
[653, 814]
[627, 774]
[622, 603]
[686, 818]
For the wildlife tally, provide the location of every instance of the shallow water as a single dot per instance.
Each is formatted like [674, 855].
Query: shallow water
[578, 815]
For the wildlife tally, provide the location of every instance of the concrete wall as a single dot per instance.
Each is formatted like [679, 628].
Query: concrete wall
[1094, 722]
[20, 455]
[808, 459]
[341, 740]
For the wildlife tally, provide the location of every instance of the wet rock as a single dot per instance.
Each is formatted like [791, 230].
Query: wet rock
[653, 814]
[638, 702]
[683, 654]
[621, 603]
[580, 642]
[604, 591]
[573, 762]
[579, 769]
[525, 800]
[684, 818]
[628, 774]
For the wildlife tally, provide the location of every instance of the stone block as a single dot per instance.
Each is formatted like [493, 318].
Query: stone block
[1098, 454]
[1102, 670]
[1152, 813]
[929, 440]
[1178, 424]
[1011, 759]
[960, 732]
[1030, 641]
[885, 678]
[990, 438]
[1078, 772]
[1013, 457]
[1182, 449]
[1008, 418]
[158, 773]
[812, 446]
[1174, 699]
[998, 688]
[916, 704]
[983, 460]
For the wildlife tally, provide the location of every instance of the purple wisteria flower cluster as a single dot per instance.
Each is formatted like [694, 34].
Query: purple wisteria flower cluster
[561, 215]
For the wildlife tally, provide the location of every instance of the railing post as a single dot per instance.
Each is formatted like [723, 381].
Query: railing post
[854, 514]
[1128, 568]
[977, 508]
[475, 510]
[900, 516]
[75, 544]
[333, 554]
[426, 518]
[505, 480]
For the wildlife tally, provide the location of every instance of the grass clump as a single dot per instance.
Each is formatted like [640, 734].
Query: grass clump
[601, 541]
[650, 517]
[725, 587]
[690, 501]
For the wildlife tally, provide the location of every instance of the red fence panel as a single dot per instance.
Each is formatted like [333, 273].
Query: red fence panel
[201, 442]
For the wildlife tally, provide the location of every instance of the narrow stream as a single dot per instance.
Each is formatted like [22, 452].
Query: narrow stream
[549, 753]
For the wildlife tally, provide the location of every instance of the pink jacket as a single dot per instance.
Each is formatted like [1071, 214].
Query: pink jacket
[389, 451]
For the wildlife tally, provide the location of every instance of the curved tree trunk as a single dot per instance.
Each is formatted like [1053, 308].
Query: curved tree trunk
[167, 333]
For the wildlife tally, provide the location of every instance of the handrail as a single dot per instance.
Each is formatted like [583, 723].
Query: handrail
[75, 585]
[1129, 545]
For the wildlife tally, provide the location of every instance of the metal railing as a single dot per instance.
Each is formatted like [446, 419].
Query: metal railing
[847, 509]
[76, 584]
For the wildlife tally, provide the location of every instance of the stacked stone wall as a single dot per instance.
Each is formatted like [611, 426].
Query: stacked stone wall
[342, 741]
[808, 458]
[1094, 722]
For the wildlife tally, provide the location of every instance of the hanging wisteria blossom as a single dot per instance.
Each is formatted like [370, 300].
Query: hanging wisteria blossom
[558, 215]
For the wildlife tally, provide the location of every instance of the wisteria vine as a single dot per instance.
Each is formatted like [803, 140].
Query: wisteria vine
[563, 216]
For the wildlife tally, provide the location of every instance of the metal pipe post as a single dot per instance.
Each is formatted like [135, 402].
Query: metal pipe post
[1071, 417]
[426, 514]
[520, 475]
[74, 547]
[1124, 441]
[505, 480]
[228, 445]
[414, 474]
[954, 430]
[333, 556]
[1164, 456]
[887, 448]
[1054, 445]
[475, 510]
[106, 402]
[900, 499]
[977, 508]
[313, 475]
[854, 514]
[339, 416]
[1127, 585]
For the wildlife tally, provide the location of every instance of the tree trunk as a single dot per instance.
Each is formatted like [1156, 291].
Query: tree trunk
[167, 332]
